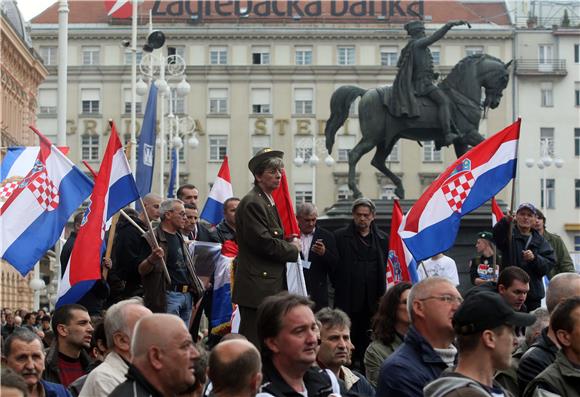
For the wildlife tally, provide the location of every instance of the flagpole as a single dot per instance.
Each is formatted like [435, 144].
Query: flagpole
[513, 197]
[134, 86]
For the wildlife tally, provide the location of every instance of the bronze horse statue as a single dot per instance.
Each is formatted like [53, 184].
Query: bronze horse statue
[382, 130]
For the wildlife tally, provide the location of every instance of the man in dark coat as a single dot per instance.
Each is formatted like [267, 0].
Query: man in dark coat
[526, 249]
[260, 267]
[319, 254]
[360, 278]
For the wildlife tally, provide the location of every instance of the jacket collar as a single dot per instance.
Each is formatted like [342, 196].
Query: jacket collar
[424, 348]
[566, 367]
[136, 376]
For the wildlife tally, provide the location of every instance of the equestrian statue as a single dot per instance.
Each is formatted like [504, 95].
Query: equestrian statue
[415, 108]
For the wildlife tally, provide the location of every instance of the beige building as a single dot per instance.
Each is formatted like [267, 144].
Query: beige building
[263, 77]
[21, 71]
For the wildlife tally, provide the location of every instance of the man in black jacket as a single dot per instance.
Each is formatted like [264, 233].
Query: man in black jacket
[319, 254]
[526, 249]
[360, 278]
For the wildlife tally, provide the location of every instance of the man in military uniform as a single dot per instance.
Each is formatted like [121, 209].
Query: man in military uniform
[415, 78]
[260, 266]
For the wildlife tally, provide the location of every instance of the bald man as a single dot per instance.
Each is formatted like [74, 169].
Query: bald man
[163, 358]
[235, 369]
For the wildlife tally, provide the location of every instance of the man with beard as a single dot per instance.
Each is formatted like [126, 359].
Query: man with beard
[23, 353]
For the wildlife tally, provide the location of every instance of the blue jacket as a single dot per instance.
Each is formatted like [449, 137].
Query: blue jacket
[409, 368]
[54, 389]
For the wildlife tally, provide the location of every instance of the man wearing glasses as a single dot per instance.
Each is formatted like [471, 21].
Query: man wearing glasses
[427, 350]
[178, 296]
[260, 266]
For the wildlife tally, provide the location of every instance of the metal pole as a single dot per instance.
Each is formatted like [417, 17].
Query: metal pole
[62, 71]
[162, 130]
[177, 133]
[313, 170]
[36, 303]
[134, 87]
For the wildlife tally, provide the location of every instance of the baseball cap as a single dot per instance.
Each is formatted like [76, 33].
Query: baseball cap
[487, 310]
[485, 235]
[529, 206]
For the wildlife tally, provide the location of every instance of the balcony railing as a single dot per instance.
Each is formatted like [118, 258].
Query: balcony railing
[535, 67]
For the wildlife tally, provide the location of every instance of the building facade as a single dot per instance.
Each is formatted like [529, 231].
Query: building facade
[22, 71]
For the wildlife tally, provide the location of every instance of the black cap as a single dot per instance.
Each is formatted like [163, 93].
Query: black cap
[262, 156]
[487, 310]
[486, 236]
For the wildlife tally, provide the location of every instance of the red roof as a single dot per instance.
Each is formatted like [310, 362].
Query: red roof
[303, 11]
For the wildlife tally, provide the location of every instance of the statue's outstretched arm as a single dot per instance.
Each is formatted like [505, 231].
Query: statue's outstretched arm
[438, 35]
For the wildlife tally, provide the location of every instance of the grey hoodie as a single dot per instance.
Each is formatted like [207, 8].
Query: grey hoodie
[451, 382]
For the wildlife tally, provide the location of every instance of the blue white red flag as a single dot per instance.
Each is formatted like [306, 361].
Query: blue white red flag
[146, 145]
[213, 210]
[114, 188]
[431, 225]
[222, 307]
[401, 265]
[38, 207]
[18, 161]
[496, 212]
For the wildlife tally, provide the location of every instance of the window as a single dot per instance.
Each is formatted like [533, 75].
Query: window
[577, 242]
[345, 143]
[473, 50]
[436, 55]
[343, 193]
[577, 193]
[550, 193]
[304, 153]
[175, 103]
[394, 156]
[303, 100]
[176, 50]
[91, 55]
[343, 155]
[90, 99]
[260, 142]
[345, 55]
[218, 55]
[128, 100]
[576, 53]
[218, 100]
[302, 193]
[90, 147]
[47, 101]
[429, 152]
[577, 94]
[547, 95]
[546, 142]
[129, 57]
[576, 142]
[48, 55]
[260, 100]
[389, 56]
[388, 192]
[260, 55]
[218, 147]
[303, 55]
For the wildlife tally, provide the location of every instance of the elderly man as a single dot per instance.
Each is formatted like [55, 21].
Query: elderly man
[226, 229]
[163, 358]
[564, 262]
[260, 267]
[23, 352]
[66, 359]
[319, 254]
[119, 324]
[360, 276]
[484, 325]
[177, 295]
[427, 350]
[288, 337]
[543, 352]
[562, 378]
[527, 250]
[188, 193]
[235, 369]
[335, 350]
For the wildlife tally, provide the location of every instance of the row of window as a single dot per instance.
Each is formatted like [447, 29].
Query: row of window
[547, 141]
[547, 94]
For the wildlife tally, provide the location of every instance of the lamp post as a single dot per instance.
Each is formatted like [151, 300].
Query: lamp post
[313, 161]
[169, 69]
[543, 163]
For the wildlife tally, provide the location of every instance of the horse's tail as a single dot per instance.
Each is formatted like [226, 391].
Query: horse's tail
[339, 109]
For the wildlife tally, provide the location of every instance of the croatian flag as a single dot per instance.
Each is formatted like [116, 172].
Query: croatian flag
[222, 307]
[114, 189]
[431, 225]
[213, 210]
[401, 265]
[18, 161]
[496, 212]
[35, 212]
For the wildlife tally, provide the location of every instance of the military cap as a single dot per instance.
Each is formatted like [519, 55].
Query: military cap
[485, 235]
[262, 156]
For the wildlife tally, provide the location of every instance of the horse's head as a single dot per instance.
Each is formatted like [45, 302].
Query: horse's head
[495, 78]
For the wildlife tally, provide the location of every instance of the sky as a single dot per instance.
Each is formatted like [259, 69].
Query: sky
[31, 8]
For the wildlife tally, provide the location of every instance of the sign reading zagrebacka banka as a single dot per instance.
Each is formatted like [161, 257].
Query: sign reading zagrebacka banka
[199, 9]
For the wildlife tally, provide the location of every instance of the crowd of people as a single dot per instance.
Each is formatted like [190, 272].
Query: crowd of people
[140, 331]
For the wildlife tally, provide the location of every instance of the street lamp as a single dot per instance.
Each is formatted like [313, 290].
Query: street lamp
[543, 163]
[313, 161]
[169, 69]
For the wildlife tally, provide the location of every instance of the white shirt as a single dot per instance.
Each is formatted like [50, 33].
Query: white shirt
[103, 379]
[442, 267]
[306, 242]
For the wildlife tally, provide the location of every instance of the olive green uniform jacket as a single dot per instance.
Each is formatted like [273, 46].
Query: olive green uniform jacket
[560, 378]
[563, 261]
[376, 354]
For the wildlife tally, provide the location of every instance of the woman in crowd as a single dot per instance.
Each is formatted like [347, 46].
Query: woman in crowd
[390, 325]
[485, 267]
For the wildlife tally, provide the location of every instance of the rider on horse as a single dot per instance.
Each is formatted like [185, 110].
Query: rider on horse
[415, 78]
